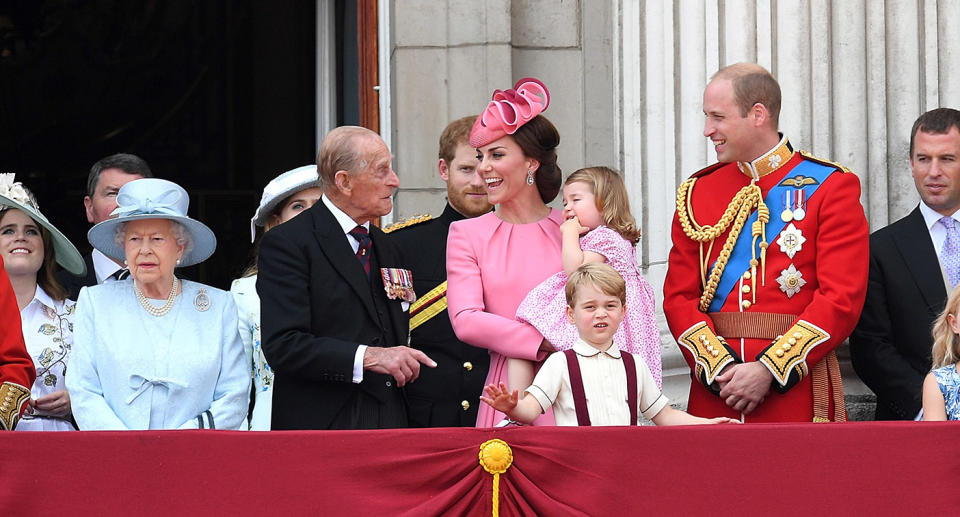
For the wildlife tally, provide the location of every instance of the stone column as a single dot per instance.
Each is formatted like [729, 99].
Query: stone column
[446, 59]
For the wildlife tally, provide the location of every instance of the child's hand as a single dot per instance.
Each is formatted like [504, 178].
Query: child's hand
[723, 420]
[572, 225]
[500, 398]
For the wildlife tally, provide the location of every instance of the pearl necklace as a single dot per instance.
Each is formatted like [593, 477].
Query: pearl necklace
[153, 309]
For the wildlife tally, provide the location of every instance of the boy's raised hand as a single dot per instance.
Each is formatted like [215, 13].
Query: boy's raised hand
[500, 398]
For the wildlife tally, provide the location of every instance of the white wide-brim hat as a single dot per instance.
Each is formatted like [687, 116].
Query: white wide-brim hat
[153, 198]
[280, 188]
[13, 195]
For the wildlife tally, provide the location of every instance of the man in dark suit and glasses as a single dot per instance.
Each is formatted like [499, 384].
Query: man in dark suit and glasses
[334, 338]
[913, 264]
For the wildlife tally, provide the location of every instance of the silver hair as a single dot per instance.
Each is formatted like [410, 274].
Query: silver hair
[180, 233]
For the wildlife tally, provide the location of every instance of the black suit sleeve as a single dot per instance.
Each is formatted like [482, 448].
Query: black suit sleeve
[875, 356]
[290, 344]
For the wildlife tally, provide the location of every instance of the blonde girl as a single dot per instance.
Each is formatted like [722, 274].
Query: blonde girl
[941, 387]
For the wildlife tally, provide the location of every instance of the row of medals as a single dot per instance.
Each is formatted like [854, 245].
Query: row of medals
[791, 240]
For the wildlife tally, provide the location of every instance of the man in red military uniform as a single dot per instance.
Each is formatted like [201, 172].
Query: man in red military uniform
[768, 270]
[16, 366]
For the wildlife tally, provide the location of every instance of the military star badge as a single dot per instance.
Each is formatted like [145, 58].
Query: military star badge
[791, 240]
[791, 281]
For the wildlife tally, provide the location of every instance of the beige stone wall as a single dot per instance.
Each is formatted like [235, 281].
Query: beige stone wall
[447, 57]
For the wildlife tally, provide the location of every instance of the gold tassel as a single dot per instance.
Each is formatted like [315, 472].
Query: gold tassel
[703, 269]
[763, 217]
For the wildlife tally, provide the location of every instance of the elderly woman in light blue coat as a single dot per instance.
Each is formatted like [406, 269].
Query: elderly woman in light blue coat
[154, 351]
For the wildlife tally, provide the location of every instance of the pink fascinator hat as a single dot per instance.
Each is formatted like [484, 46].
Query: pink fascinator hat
[508, 110]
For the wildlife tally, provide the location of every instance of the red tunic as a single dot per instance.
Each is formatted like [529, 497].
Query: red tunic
[833, 262]
[16, 365]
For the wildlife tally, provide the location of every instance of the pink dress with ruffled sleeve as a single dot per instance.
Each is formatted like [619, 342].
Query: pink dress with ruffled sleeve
[545, 306]
[491, 266]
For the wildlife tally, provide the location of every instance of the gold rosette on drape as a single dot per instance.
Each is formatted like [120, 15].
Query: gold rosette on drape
[496, 457]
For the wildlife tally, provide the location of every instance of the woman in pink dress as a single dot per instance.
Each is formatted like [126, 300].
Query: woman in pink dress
[494, 260]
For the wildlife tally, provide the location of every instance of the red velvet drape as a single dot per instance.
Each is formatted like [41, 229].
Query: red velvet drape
[761, 469]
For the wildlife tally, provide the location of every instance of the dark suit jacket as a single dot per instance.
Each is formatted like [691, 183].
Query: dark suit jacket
[890, 348]
[448, 395]
[317, 307]
[73, 283]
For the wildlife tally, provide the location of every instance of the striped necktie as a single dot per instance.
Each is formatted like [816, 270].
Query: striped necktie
[363, 250]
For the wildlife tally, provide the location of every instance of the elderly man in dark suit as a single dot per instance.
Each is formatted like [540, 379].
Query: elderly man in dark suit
[913, 264]
[331, 332]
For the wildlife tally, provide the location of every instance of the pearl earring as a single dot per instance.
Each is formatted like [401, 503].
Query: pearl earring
[530, 177]
[178, 262]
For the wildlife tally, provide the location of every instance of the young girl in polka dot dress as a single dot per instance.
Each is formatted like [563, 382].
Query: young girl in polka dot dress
[598, 228]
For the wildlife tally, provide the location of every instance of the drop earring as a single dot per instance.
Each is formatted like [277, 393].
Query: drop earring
[530, 177]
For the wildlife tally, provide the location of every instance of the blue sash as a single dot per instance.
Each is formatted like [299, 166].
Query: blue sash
[741, 254]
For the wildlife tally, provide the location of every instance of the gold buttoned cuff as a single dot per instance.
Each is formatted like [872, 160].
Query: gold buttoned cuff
[786, 357]
[12, 398]
[710, 352]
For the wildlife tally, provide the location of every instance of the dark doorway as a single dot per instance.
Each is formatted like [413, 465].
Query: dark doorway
[217, 96]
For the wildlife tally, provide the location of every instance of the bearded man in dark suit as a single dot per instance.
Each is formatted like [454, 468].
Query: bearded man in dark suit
[333, 335]
[448, 395]
[912, 267]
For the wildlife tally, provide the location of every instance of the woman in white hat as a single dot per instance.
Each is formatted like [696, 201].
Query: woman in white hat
[154, 351]
[283, 198]
[31, 247]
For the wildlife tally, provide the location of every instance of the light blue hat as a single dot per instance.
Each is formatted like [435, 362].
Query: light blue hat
[153, 198]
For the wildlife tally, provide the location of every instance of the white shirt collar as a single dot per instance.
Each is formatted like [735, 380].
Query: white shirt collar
[582, 348]
[931, 216]
[41, 297]
[346, 222]
[44, 298]
[103, 266]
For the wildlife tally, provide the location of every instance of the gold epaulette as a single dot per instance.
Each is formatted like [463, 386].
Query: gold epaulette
[788, 353]
[822, 161]
[12, 398]
[406, 223]
[709, 351]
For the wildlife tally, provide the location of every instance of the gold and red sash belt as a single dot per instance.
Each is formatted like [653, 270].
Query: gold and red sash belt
[756, 325]
[428, 305]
